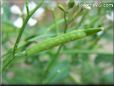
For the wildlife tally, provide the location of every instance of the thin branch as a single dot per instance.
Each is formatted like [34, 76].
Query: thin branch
[21, 32]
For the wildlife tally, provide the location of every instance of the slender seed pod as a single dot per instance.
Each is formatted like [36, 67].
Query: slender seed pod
[61, 39]
[50, 43]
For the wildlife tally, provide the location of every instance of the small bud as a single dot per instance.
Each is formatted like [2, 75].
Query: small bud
[71, 4]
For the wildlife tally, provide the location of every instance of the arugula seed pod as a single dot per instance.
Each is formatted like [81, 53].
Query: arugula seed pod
[52, 42]
[61, 39]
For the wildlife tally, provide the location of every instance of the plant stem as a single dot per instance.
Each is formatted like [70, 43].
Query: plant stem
[27, 8]
[23, 27]
[22, 30]
[80, 51]
[65, 20]
[55, 22]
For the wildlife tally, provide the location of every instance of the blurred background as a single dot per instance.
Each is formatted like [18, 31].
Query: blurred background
[84, 61]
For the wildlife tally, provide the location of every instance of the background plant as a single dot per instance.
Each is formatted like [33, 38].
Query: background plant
[81, 61]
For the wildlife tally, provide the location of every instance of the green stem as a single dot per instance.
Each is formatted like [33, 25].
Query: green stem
[89, 52]
[22, 30]
[23, 27]
[55, 22]
[82, 19]
[27, 8]
[65, 20]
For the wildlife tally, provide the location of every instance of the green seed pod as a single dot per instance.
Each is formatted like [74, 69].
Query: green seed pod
[61, 7]
[50, 43]
[71, 4]
[61, 39]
